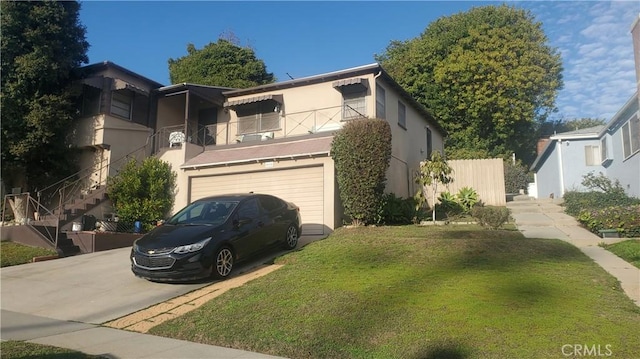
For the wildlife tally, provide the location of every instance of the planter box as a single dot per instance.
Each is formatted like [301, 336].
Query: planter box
[609, 233]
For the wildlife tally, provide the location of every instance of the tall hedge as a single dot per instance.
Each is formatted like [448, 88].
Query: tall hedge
[361, 151]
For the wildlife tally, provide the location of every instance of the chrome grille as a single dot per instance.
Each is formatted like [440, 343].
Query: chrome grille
[155, 262]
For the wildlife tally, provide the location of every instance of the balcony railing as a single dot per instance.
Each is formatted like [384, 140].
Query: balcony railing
[287, 125]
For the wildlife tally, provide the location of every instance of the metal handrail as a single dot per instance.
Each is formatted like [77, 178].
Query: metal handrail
[292, 124]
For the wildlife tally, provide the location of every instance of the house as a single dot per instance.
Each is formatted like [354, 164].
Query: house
[612, 149]
[276, 139]
[273, 138]
[115, 112]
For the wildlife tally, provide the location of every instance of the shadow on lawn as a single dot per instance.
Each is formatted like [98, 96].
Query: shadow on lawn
[445, 350]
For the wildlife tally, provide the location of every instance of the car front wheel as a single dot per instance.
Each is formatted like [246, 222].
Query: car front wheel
[223, 263]
[291, 239]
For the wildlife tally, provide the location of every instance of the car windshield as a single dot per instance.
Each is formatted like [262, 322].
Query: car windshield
[204, 213]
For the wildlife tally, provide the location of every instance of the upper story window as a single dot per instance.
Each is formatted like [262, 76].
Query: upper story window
[353, 103]
[631, 137]
[354, 94]
[402, 115]
[258, 117]
[381, 112]
[121, 104]
[90, 101]
[592, 155]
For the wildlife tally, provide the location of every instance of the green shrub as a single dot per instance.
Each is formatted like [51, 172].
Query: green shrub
[576, 202]
[398, 210]
[516, 177]
[624, 219]
[449, 207]
[143, 193]
[467, 197]
[490, 216]
[361, 151]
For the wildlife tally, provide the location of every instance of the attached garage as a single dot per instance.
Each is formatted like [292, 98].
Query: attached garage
[301, 172]
[302, 186]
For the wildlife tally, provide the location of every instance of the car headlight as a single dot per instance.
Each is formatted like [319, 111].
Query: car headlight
[192, 247]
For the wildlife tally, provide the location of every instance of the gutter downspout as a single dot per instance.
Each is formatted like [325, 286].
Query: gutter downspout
[561, 168]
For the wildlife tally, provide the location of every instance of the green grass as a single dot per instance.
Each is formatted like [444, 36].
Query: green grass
[12, 254]
[628, 250]
[21, 350]
[422, 292]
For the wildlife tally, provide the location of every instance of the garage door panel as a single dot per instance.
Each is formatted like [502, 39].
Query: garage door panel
[302, 186]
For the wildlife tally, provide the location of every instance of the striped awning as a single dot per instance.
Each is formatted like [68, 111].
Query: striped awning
[96, 81]
[119, 84]
[274, 97]
[352, 81]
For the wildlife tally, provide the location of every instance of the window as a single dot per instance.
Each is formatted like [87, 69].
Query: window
[429, 143]
[631, 137]
[90, 101]
[270, 204]
[121, 104]
[604, 154]
[592, 155]
[353, 102]
[402, 115]
[258, 117]
[380, 103]
[249, 209]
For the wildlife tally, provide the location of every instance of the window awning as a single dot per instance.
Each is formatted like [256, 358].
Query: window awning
[274, 97]
[96, 82]
[119, 84]
[352, 81]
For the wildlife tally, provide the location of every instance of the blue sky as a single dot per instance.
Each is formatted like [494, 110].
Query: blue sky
[303, 38]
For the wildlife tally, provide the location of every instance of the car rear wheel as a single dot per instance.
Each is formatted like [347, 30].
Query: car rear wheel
[291, 239]
[223, 263]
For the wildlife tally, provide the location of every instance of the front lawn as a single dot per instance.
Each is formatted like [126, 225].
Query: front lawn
[14, 349]
[628, 250]
[12, 254]
[422, 292]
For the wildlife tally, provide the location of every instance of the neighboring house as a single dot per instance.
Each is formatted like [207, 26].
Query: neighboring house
[612, 149]
[116, 109]
[273, 139]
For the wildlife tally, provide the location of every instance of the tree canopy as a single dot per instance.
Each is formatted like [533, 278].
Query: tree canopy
[487, 74]
[42, 42]
[220, 63]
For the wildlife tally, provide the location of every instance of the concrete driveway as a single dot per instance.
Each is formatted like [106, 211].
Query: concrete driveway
[92, 288]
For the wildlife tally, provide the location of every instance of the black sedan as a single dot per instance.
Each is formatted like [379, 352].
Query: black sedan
[206, 238]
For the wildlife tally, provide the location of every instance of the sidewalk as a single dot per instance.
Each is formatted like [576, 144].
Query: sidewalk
[546, 219]
[108, 342]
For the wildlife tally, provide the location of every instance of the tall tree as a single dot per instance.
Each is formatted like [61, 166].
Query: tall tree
[487, 74]
[42, 42]
[221, 63]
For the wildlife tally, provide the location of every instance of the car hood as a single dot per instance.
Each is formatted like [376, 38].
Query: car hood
[170, 236]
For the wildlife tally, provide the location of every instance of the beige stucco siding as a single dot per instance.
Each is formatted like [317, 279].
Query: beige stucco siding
[409, 144]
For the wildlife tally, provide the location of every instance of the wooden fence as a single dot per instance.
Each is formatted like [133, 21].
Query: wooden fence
[485, 176]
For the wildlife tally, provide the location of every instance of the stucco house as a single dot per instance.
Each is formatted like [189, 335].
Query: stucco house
[273, 139]
[612, 149]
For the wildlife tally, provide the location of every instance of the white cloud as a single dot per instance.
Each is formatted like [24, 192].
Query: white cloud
[597, 52]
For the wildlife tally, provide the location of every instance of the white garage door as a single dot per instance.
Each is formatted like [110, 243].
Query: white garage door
[302, 186]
